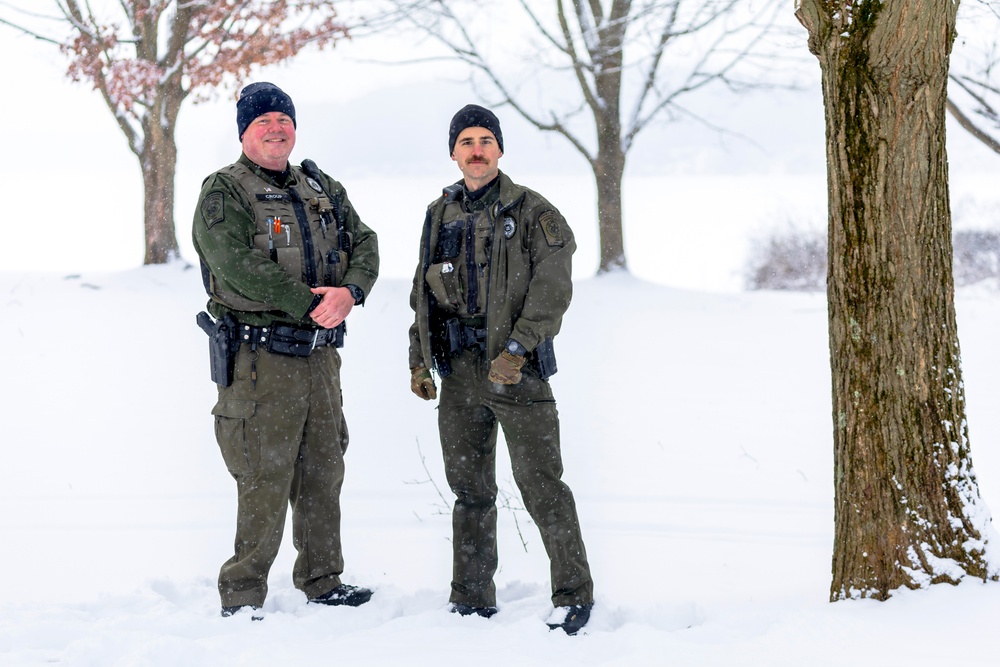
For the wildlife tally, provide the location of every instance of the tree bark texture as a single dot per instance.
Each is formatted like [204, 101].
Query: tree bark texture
[608, 172]
[907, 506]
[159, 165]
[609, 162]
[157, 149]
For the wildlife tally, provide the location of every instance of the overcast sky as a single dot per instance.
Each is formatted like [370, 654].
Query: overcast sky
[358, 120]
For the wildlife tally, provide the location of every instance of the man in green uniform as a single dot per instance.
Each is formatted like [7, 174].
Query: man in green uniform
[285, 258]
[489, 294]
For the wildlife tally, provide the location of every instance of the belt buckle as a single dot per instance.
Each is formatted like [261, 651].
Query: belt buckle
[315, 336]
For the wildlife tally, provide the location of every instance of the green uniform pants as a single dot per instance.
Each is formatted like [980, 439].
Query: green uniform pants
[283, 439]
[470, 409]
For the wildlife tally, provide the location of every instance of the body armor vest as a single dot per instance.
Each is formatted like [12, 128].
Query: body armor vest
[459, 275]
[296, 227]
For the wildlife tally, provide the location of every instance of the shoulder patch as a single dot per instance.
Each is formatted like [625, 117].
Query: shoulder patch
[213, 208]
[549, 222]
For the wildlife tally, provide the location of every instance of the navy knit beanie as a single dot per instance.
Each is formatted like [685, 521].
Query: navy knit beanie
[473, 115]
[258, 99]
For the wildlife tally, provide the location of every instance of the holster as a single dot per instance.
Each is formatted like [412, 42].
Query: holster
[221, 347]
[544, 359]
[441, 351]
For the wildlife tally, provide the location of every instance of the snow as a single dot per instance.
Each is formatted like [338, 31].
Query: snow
[696, 436]
[697, 426]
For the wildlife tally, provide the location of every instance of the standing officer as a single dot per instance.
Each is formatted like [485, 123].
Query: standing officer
[489, 295]
[285, 258]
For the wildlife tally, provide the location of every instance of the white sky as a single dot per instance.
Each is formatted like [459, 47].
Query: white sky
[382, 131]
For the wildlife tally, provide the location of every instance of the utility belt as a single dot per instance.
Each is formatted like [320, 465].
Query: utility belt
[226, 335]
[288, 340]
[465, 334]
[456, 335]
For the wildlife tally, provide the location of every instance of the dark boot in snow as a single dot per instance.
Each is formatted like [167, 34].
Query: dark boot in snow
[469, 610]
[344, 595]
[255, 613]
[571, 619]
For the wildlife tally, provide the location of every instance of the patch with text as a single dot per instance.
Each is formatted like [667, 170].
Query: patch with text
[551, 228]
[213, 208]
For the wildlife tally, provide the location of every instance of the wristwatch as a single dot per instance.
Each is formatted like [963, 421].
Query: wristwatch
[516, 348]
[356, 292]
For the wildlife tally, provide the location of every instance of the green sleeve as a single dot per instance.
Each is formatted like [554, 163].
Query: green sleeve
[551, 287]
[363, 269]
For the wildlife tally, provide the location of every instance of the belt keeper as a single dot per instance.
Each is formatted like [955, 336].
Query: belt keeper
[255, 336]
[247, 336]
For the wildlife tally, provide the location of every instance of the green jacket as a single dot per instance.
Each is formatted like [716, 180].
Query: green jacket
[530, 275]
[261, 272]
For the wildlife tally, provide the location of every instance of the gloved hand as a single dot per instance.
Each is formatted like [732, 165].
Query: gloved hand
[422, 384]
[506, 368]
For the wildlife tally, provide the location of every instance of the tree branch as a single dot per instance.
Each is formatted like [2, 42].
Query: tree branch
[971, 127]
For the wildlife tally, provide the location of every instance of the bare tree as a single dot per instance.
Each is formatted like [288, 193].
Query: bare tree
[145, 57]
[618, 67]
[907, 506]
[974, 95]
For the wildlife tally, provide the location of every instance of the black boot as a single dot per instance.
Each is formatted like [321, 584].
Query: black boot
[573, 619]
[344, 595]
[255, 613]
[469, 610]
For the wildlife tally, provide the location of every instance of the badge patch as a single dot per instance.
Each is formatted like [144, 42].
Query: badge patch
[551, 228]
[509, 227]
[213, 208]
[313, 184]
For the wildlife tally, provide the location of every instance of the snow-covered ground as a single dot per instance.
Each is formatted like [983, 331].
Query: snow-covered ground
[697, 438]
[696, 418]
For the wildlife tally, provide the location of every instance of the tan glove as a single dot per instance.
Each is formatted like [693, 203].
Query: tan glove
[422, 384]
[506, 369]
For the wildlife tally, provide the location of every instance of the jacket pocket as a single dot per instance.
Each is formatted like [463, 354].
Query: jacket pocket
[443, 282]
[290, 259]
[238, 435]
[336, 267]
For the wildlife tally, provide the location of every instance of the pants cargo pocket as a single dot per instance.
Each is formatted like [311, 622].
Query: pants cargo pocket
[237, 434]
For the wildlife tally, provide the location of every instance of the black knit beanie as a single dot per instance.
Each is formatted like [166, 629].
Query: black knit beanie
[473, 115]
[258, 99]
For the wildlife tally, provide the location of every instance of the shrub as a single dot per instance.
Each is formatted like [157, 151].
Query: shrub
[977, 256]
[787, 260]
[796, 260]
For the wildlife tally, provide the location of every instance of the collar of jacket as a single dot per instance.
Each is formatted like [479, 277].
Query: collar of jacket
[268, 175]
[511, 194]
[487, 195]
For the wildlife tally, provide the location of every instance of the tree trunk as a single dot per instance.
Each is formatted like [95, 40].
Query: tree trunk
[159, 161]
[609, 163]
[907, 506]
[608, 170]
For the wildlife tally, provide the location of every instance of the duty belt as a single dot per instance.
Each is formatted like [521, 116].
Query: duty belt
[473, 338]
[288, 340]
